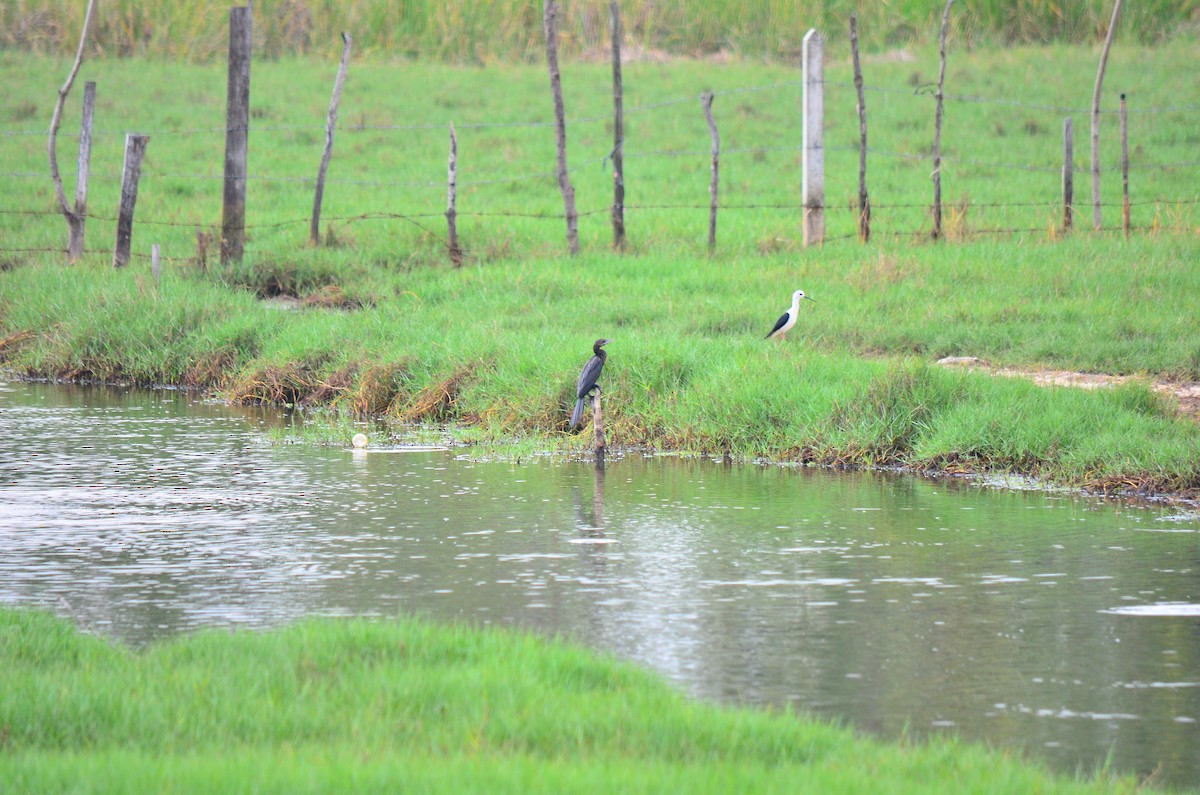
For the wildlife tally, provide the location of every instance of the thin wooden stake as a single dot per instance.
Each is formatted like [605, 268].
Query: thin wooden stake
[1124, 169]
[237, 136]
[598, 425]
[550, 26]
[1112, 26]
[864, 201]
[937, 128]
[135, 149]
[1068, 176]
[74, 223]
[77, 220]
[618, 158]
[706, 100]
[456, 255]
[314, 230]
[812, 179]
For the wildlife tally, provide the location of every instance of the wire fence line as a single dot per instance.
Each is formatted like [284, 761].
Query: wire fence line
[918, 93]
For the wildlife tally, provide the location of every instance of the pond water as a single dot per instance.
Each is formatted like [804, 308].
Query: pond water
[1062, 625]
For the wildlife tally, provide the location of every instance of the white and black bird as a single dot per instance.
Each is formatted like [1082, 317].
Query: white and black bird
[588, 378]
[785, 323]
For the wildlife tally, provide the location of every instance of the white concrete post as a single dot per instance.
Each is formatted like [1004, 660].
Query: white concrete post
[813, 179]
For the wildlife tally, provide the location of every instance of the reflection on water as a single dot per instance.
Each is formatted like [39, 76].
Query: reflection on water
[1062, 625]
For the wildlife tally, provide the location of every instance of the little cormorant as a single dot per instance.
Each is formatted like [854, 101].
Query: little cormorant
[588, 378]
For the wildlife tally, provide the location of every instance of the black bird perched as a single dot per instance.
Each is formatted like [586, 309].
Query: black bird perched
[785, 323]
[588, 377]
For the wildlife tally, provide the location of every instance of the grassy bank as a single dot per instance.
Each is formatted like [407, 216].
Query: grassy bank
[336, 706]
[387, 328]
[498, 348]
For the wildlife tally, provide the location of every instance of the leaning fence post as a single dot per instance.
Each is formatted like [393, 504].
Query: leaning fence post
[135, 148]
[456, 256]
[618, 157]
[812, 180]
[706, 100]
[1068, 176]
[864, 201]
[314, 231]
[550, 26]
[78, 219]
[74, 224]
[937, 128]
[1124, 169]
[1112, 25]
[237, 122]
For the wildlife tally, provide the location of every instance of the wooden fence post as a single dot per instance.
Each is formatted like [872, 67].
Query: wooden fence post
[812, 180]
[1124, 169]
[1112, 25]
[314, 230]
[706, 99]
[237, 134]
[74, 223]
[456, 256]
[135, 148]
[618, 157]
[77, 221]
[1068, 176]
[937, 128]
[598, 425]
[864, 201]
[550, 26]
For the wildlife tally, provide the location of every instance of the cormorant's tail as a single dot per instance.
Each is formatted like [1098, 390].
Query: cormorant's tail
[577, 414]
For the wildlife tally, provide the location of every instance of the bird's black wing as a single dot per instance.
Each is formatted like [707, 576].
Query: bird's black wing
[589, 376]
[778, 324]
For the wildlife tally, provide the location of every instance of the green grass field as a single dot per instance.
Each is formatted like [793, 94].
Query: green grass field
[495, 346]
[338, 706]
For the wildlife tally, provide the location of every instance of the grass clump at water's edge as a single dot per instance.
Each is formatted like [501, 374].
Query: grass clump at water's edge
[336, 706]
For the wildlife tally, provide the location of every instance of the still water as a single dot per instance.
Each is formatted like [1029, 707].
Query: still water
[1065, 626]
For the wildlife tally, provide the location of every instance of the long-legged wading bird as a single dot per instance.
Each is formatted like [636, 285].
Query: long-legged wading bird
[588, 378]
[785, 323]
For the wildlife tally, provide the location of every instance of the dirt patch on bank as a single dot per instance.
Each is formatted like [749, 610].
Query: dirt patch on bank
[1185, 393]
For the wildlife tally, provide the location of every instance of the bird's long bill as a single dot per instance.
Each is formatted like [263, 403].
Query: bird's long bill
[810, 298]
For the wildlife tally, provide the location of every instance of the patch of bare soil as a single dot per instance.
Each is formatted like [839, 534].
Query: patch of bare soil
[1186, 394]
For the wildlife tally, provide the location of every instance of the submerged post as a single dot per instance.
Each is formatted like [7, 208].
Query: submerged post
[237, 135]
[812, 180]
[598, 424]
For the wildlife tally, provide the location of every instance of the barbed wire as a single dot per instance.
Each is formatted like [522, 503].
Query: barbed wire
[560, 216]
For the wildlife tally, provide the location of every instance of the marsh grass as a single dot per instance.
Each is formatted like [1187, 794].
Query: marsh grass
[336, 706]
